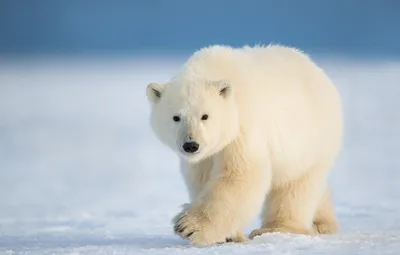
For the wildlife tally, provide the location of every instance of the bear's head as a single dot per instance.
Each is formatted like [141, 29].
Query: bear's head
[195, 119]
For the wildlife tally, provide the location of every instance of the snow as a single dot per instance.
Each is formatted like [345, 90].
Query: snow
[82, 173]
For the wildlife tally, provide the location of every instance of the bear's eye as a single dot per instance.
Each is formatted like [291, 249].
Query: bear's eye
[176, 118]
[204, 117]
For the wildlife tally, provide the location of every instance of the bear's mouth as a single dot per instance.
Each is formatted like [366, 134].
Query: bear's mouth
[191, 157]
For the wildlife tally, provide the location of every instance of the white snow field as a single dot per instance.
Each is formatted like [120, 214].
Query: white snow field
[82, 173]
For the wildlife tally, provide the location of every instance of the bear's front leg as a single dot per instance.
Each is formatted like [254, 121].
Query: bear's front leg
[230, 200]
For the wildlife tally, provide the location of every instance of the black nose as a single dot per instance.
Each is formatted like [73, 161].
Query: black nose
[190, 147]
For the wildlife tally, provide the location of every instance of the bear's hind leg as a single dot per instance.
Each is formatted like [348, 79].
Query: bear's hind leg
[325, 221]
[290, 208]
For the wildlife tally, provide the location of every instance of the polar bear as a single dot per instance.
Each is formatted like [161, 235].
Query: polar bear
[257, 129]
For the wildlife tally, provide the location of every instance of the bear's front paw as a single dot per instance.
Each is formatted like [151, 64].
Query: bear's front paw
[193, 225]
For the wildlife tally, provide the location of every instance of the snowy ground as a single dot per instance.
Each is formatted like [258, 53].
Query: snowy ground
[81, 172]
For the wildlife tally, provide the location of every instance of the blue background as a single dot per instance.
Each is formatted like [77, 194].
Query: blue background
[353, 27]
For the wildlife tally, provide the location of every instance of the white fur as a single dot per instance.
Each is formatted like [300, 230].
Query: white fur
[271, 138]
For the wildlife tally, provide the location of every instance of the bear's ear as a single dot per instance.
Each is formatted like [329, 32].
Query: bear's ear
[224, 88]
[154, 91]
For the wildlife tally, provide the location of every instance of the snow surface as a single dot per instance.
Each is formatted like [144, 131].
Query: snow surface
[82, 173]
